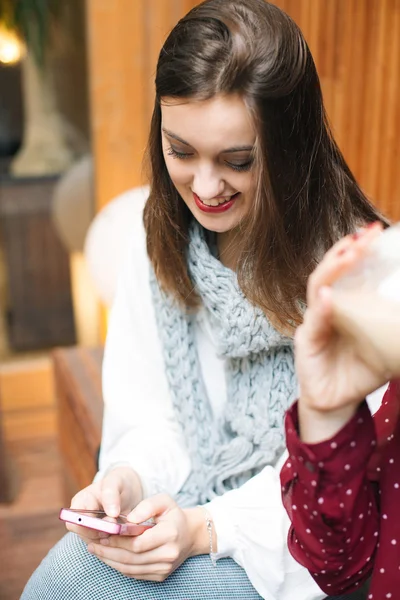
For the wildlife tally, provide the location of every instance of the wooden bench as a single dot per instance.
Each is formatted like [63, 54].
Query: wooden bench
[7, 491]
[80, 411]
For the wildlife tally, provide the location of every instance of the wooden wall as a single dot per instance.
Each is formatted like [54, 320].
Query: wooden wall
[356, 46]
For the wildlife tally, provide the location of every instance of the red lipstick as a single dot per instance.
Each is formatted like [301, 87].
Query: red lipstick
[215, 209]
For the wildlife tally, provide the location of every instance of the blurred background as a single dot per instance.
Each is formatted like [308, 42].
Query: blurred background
[76, 96]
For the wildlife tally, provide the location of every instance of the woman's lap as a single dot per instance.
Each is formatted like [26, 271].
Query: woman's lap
[69, 572]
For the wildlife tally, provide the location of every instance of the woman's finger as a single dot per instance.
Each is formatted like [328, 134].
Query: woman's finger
[111, 490]
[86, 534]
[86, 499]
[167, 552]
[340, 259]
[151, 507]
[155, 572]
[119, 555]
[317, 328]
[163, 533]
[328, 271]
[361, 237]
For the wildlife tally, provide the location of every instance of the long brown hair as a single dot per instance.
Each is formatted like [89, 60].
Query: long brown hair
[306, 196]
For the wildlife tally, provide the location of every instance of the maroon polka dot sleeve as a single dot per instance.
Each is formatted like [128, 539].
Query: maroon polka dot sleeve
[343, 498]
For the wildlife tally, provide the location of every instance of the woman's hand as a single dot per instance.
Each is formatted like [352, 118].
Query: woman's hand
[333, 378]
[118, 492]
[154, 555]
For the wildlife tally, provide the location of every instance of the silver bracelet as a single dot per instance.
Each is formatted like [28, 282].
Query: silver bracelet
[210, 526]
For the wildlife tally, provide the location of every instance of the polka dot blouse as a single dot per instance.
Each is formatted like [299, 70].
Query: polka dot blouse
[343, 498]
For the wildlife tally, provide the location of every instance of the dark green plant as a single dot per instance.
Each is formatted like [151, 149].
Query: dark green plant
[32, 20]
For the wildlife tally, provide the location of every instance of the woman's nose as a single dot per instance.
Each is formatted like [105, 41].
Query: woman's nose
[207, 184]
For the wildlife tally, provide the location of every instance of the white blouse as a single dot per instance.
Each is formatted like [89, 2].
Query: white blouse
[140, 429]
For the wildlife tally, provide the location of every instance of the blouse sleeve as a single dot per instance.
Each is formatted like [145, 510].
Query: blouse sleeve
[252, 527]
[139, 425]
[331, 503]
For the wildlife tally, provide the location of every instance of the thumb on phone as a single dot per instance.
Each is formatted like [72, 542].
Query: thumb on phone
[151, 507]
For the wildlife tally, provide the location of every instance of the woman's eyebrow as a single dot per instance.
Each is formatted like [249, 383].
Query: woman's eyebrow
[227, 151]
[238, 149]
[175, 137]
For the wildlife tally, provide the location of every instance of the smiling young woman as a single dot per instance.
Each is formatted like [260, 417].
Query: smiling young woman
[241, 73]
[247, 190]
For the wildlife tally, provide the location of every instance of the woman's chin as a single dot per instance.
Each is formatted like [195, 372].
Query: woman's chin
[217, 223]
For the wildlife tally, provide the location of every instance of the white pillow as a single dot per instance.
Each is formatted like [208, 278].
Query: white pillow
[107, 239]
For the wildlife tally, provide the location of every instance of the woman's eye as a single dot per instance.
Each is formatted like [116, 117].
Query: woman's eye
[175, 154]
[245, 166]
[241, 167]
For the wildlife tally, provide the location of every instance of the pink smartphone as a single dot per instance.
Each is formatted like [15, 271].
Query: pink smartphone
[98, 520]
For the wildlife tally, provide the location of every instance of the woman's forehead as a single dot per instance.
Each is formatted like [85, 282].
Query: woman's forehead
[221, 120]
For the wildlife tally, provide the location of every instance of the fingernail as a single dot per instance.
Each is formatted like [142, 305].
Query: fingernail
[90, 548]
[133, 518]
[370, 225]
[357, 234]
[105, 542]
[113, 510]
[324, 291]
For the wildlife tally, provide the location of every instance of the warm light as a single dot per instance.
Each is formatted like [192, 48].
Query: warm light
[11, 48]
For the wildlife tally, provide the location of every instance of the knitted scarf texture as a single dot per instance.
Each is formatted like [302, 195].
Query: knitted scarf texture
[259, 370]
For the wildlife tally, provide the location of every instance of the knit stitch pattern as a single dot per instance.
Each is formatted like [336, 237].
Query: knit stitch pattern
[260, 378]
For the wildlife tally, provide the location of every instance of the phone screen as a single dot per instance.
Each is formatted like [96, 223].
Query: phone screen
[100, 514]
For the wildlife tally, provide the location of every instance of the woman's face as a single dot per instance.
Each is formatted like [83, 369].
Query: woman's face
[208, 149]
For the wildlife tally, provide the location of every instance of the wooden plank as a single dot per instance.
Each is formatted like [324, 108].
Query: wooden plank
[26, 412]
[30, 424]
[78, 377]
[27, 384]
[116, 67]
[389, 185]
[6, 487]
[77, 453]
[356, 47]
[29, 526]
[39, 473]
[80, 410]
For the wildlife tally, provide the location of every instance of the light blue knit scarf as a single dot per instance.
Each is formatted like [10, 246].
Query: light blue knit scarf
[260, 378]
